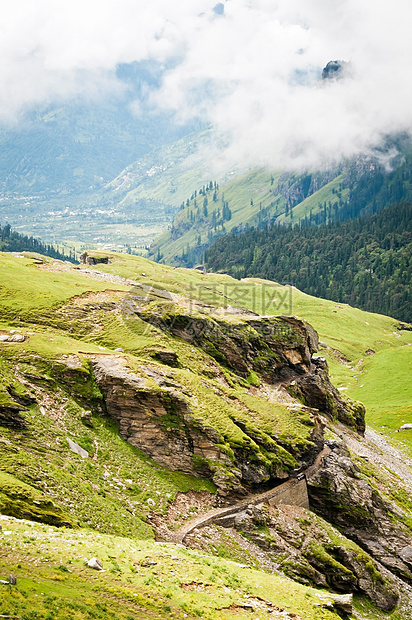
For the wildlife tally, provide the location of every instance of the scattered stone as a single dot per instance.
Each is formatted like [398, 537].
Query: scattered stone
[87, 419]
[120, 350]
[147, 562]
[95, 564]
[405, 427]
[12, 580]
[74, 447]
[370, 352]
[12, 337]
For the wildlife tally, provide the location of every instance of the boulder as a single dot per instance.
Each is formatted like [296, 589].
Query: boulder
[17, 338]
[74, 447]
[95, 564]
[343, 603]
[86, 418]
[12, 338]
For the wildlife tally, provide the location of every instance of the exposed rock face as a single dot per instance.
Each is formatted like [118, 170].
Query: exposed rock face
[167, 357]
[310, 551]
[11, 412]
[279, 349]
[10, 416]
[338, 493]
[316, 390]
[160, 422]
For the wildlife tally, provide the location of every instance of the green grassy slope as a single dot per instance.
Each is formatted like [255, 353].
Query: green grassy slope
[255, 196]
[250, 200]
[141, 580]
[66, 315]
[348, 332]
[329, 194]
[357, 187]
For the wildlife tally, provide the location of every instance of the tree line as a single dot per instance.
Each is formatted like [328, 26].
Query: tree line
[12, 241]
[364, 262]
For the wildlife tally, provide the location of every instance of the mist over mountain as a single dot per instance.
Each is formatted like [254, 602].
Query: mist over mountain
[79, 145]
[253, 71]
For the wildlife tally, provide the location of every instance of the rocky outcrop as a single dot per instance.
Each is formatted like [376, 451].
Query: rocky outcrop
[94, 259]
[11, 417]
[304, 547]
[11, 411]
[160, 423]
[280, 349]
[339, 493]
[275, 347]
[155, 416]
[316, 390]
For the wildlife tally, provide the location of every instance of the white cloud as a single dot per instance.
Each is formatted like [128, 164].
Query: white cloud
[253, 72]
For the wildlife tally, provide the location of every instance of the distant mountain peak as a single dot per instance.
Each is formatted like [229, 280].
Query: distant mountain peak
[335, 69]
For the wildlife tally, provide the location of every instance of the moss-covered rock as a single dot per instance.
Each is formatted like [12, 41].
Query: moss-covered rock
[18, 499]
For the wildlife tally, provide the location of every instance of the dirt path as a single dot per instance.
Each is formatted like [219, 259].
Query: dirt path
[212, 515]
[373, 447]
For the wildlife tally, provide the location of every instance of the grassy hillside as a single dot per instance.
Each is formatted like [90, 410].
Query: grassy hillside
[332, 194]
[249, 198]
[106, 501]
[141, 580]
[349, 333]
[253, 198]
[357, 187]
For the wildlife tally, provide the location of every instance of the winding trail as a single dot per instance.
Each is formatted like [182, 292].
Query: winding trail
[218, 513]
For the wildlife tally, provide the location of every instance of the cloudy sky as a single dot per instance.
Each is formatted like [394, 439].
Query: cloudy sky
[250, 67]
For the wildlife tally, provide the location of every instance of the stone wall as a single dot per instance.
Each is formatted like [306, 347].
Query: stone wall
[291, 493]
